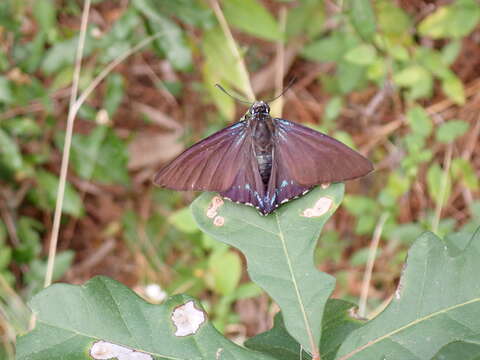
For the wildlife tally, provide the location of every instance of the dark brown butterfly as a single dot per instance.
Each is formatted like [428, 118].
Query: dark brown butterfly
[263, 161]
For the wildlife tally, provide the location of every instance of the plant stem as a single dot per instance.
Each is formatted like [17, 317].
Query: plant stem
[66, 149]
[443, 188]
[277, 106]
[247, 87]
[75, 106]
[372, 253]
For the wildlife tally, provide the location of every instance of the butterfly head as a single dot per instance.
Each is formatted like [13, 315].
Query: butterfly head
[260, 108]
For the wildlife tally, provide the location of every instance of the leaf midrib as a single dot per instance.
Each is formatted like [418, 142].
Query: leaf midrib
[406, 326]
[295, 285]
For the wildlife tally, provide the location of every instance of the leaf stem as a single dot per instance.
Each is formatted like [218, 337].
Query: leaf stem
[247, 87]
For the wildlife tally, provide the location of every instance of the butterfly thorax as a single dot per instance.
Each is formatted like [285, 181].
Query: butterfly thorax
[262, 133]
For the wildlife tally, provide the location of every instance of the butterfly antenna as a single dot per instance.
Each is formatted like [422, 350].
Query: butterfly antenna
[290, 84]
[233, 97]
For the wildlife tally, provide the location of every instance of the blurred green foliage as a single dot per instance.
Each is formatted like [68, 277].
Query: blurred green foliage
[373, 46]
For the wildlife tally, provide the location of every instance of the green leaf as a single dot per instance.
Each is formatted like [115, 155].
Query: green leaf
[463, 169]
[409, 76]
[45, 14]
[221, 66]
[363, 54]
[288, 237]
[362, 18]
[452, 21]
[36, 276]
[183, 220]
[307, 18]
[392, 20]
[115, 89]
[100, 155]
[435, 178]
[435, 304]
[331, 48]
[278, 342]
[450, 130]
[9, 152]
[113, 314]
[45, 194]
[350, 77]
[419, 121]
[336, 325]
[465, 350]
[6, 95]
[250, 16]
[226, 268]
[28, 233]
[62, 53]
[450, 51]
[172, 43]
[452, 86]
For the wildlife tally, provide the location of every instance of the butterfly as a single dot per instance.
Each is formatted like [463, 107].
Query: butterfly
[263, 161]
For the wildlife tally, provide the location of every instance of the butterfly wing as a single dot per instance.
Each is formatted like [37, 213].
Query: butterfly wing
[211, 164]
[282, 187]
[314, 158]
[248, 187]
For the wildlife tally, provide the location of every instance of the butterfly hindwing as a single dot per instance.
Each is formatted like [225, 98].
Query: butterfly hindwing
[211, 164]
[314, 158]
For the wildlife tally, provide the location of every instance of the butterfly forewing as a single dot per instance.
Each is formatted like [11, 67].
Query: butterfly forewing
[314, 158]
[210, 165]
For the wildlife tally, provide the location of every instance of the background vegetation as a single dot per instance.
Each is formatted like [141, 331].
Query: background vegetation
[395, 79]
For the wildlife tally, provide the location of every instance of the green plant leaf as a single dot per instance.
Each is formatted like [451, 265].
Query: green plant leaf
[307, 18]
[463, 169]
[450, 130]
[9, 152]
[435, 303]
[114, 316]
[183, 220]
[172, 43]
[452, 86]
[226, 268]
[434, 183]
[45, 14]
[44, 194]
[419, 121]
[100, 155]
[114, 93]
[452, 21]
[222, 67]
[288, 237]
[336, 325]
[363, 54]
[250, 16]
[362, 18]
[465, 350]
[6, 95]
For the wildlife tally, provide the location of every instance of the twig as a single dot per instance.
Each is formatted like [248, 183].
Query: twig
[75, 106]
[277, 107]
[234, 49]
[372, 253]
[443, 188]
[66, 149]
